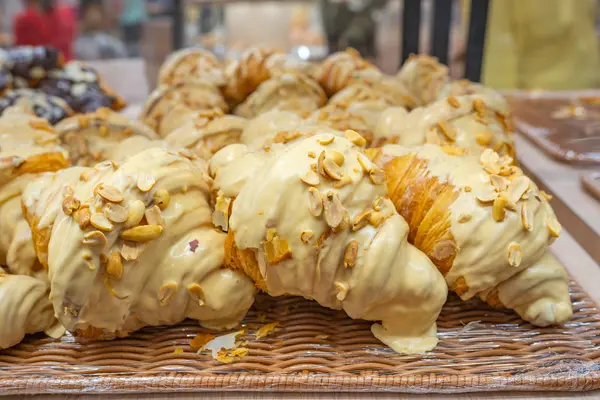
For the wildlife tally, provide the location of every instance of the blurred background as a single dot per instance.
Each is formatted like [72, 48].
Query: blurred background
[530, 44]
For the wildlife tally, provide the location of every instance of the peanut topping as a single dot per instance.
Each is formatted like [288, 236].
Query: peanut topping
[346, 180]
[464, 218]
[326, 141]
[315, 202]
[145, 182]
[378, 203]
[377, 176]
[515, 254]
[142, 233]
[484, 138]
[99, 221]
[116, 213]
[136, 213]
[350, 254]
[312, 154]
[498, 211]
[129, 251]
[526, 217]
[554, 227]
[342, 291]
[447, 130]
[110, 193]
[82, 217]
[361, 220]
[332, 169]
[305, 236]
[114, 267]
[310, 178]
[546, 195]
[500, 183]
[320, 161]
[376, 218]
[488, 195]
[70, 204]
[334, 210]
[479, 107]
[166, 293]
[337, 157]
[162, 198]
[154, 216]
[355, 138]
[197, 293]
[517, 188]
[453, 101]
[94, 238]
[103, 130]
[468, 189]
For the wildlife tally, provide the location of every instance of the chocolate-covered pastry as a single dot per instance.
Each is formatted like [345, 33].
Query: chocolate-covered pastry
[30, 64]
[82, 88]
[51, 108]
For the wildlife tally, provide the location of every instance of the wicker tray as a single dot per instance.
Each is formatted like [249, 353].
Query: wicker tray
[480, 349]
[591, 182]
[567, 138]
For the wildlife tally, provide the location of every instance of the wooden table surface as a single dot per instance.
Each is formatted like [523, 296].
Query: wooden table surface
[580, 215]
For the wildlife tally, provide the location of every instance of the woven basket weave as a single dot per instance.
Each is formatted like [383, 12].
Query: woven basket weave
[480, 349]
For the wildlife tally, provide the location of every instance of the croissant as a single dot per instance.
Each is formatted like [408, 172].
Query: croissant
[338, 70]
[288, 91]
[312, 219]
[266, 125]
[132, 245]
[206, 132]
[424, 78]
[168, 107]
[25, 309]
[471, 122]
[191, 65]
[91, 137]
[28, 147]
[484, 224]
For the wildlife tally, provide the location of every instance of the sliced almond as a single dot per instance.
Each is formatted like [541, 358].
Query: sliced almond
[517, 188]
[196, 292]
[70, 204]
[99, 221]
[526, 217]
[350, 254]
[94, 238]
[116, 213]
[135, 214]
[145, 182]
[448, 130]
[515, 254]
[326, 140]
[82, 217]
[334, 210]
[305, 236]
[162, 198]
[331, 169]
[377, 176]
[315, 202]
[487, 195]
[110, 193]
[500, 183]
[166, 293]
[114, 266]
[361, 220]
[498, 211]
[342, 290]
[355, 138]
[554, 226]
[154, 216]
[142, 233]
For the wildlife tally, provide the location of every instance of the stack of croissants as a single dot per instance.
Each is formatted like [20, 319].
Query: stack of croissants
[368, 193]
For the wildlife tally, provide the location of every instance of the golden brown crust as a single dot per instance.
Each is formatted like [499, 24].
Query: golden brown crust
[243, 260]
[338, 69]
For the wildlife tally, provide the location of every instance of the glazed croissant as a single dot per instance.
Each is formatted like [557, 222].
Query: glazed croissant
[28, 146]
[471, 122]
[90, 138]
[312, 219]
[132, 245]
[191, 65]
[484, 224]
[24, 309]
